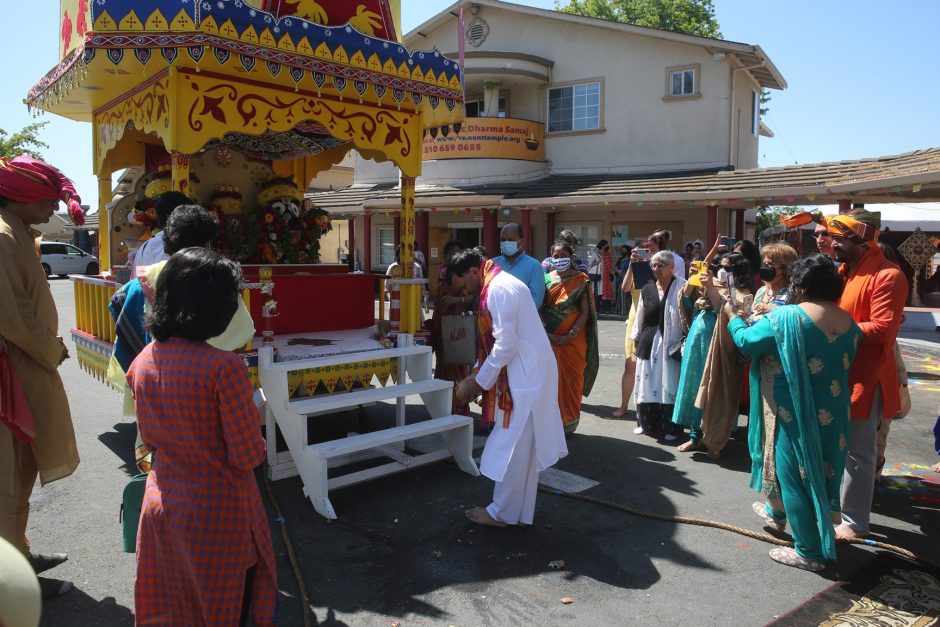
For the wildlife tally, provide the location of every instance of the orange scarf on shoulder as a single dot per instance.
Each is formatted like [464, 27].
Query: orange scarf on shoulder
[498, 395]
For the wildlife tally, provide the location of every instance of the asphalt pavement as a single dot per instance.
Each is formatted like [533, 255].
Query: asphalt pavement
[403, 553]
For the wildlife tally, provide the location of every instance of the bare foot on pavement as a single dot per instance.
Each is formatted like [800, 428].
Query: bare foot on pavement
[480, 516]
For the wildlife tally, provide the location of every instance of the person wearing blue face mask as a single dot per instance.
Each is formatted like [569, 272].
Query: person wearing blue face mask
[516, 262]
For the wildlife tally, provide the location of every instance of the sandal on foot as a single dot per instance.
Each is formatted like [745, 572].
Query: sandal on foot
[639, 431]
[51, 588]
[789, 557]
[41, 562]
[689, 446]
[769, 521]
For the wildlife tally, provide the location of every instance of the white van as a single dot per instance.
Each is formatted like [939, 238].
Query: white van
[65, 259]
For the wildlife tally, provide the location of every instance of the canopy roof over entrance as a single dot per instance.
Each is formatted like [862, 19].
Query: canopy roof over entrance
[912, 176]
[277, 79]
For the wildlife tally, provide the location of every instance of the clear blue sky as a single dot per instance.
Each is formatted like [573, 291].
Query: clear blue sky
[862, 76]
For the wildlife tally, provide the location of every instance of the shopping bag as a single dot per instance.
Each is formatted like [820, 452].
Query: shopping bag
[131, 504]
[459, 339]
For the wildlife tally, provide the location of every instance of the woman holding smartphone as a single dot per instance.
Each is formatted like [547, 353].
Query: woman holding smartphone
[638, 274]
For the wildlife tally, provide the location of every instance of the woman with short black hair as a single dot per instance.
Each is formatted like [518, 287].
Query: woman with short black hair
[800, 404]
[204, 552]
[189, 225]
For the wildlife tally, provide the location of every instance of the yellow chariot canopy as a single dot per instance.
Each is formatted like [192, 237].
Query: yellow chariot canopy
[276, 79]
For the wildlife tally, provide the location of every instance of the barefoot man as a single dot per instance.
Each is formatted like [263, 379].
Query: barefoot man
[517, 375]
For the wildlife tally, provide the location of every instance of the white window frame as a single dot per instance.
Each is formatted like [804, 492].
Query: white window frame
[573, 85]
[379, 261]
[695, 69]
[755, 113]
[580, 229]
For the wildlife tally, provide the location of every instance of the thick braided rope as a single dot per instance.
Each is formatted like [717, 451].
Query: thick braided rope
[757, 535]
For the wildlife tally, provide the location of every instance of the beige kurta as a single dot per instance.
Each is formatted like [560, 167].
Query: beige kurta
[29, 324]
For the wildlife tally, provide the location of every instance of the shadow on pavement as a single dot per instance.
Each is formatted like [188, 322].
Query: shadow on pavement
[403, 541]
[77, 608]
[605, 412]
[121, 442]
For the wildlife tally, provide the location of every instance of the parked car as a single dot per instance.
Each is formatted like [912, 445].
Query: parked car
[65, 259]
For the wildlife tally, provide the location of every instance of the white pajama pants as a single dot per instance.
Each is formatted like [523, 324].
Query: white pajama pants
[514, 496]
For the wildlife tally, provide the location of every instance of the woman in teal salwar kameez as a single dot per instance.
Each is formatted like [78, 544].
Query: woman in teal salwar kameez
[800, 401]
[695, 304]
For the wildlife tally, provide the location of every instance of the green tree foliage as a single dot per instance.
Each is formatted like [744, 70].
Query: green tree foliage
[692, 17]
[770, 216]
[24, 142]
[764, 101]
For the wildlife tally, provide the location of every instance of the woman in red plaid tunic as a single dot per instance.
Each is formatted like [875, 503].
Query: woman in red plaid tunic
[204, 552]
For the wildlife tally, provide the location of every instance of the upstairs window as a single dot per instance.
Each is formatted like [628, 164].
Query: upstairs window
[574, 107]
[755, 113]
[682, 81]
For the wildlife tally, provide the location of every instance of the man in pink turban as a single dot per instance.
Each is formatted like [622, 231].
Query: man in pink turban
[25, 180]
[36, 434]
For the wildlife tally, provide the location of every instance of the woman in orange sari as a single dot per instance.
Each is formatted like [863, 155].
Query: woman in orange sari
[571, 323]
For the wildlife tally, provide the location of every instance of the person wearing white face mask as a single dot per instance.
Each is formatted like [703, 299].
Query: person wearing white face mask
[516, 262]
[571, 324]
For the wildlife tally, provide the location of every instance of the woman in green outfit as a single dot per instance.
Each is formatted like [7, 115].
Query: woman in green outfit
[800, 401]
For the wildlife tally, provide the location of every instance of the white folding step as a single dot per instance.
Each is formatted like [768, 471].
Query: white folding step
[311, 462]
[310, 406]
[456, 431]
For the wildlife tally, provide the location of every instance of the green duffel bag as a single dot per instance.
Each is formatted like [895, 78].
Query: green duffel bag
[131, 505]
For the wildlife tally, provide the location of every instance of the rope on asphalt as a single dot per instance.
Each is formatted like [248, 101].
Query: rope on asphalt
[756, 535]
[291, 554]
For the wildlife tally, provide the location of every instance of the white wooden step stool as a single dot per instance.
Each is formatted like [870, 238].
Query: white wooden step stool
[312, 461]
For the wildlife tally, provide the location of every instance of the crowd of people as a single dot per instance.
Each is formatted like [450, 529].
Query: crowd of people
[817, 339]
[804, 347]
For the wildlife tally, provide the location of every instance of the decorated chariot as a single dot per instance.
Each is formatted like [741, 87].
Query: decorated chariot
[238, 104]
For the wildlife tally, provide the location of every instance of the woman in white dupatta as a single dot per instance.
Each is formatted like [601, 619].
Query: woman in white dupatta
[658, 336]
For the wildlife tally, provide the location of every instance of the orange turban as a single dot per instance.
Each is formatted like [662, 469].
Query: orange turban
[852, 227]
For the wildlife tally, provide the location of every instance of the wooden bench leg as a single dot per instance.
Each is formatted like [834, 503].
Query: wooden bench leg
[314, 475]
[460, 443]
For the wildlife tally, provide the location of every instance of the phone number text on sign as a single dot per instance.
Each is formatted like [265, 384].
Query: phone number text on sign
[488, 138]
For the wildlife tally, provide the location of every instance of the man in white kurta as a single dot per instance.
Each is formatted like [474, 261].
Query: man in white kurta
[533, 439]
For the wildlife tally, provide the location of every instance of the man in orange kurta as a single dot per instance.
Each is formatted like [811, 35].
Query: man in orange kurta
[30, 191]
[875, 293]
